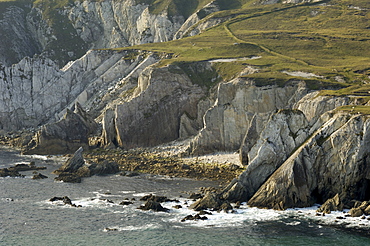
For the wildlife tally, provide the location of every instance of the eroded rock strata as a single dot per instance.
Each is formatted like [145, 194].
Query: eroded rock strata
[297, 147]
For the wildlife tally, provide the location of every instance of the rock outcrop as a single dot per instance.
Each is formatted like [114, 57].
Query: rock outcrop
[64, 136]
[239, 102]
[35, 91]
[76, 168]
[334, 159]
[332, 204]
[153, 116]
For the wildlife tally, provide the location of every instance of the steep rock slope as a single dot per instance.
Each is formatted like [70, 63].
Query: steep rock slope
[65, 31]
[36, 91]
[17, 41]
[153, 115]
[237, 103]
[334, 160]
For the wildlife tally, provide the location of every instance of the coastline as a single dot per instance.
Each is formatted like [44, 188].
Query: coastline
[171, 166]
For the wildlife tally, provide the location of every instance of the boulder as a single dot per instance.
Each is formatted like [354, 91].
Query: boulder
[104, 167]
[68, 178]
[154, 206]
[39, 176]
[210, 201]
[332, 204]
[74, 163]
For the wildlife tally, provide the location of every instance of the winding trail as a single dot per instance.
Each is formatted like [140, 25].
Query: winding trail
[227, 24]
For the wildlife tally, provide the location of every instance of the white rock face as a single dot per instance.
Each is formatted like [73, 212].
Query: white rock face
[36, 91]
[238, 101]
[313, 106]
[112, 23]
[333, 160]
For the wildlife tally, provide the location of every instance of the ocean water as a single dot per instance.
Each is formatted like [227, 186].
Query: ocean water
[27, 217]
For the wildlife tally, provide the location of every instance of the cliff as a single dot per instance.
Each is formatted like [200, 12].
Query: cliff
[216, 74]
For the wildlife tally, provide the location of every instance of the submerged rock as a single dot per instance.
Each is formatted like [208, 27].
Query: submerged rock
[65, 199]
[39, 176]
[194, 217]
[154, 206]
[5, 172]
[68, 178]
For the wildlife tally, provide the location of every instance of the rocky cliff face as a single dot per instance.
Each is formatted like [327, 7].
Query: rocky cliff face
[36, 91]
[334, 160]
[17, 41]
[237, 103]
[66, 33]
[297, 148]
[153, 116]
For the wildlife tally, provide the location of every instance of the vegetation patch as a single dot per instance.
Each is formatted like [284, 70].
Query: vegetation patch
[355, 109]
[199, 73]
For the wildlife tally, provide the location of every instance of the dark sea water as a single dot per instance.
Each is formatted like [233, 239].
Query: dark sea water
[27, 217]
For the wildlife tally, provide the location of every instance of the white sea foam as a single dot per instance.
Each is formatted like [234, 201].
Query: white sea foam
[221, 219]
[143, 194]
[334, 218]
[40, 157]
[132, 228]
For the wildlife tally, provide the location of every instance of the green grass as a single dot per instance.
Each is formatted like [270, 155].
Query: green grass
[329, 41]
[354, 109]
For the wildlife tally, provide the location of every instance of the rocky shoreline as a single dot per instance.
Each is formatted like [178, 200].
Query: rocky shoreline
[204, 201]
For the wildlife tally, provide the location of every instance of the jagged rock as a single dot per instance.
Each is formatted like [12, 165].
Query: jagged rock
[84, 171]
[356, 212]
[265, 150]
[195, 217]
[317, 170]
[39, 176]
[332, 204]
[238, 102]
[66, 200]
[68, 178]
[360, 208]
[73, 163]
[367, 210]
[103, 168]
[153, 205]
[210, 201]
[234, 192]
[64, 136]
[159, 199]
[195, 196]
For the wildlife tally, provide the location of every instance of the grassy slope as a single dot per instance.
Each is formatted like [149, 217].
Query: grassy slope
[329, 39]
